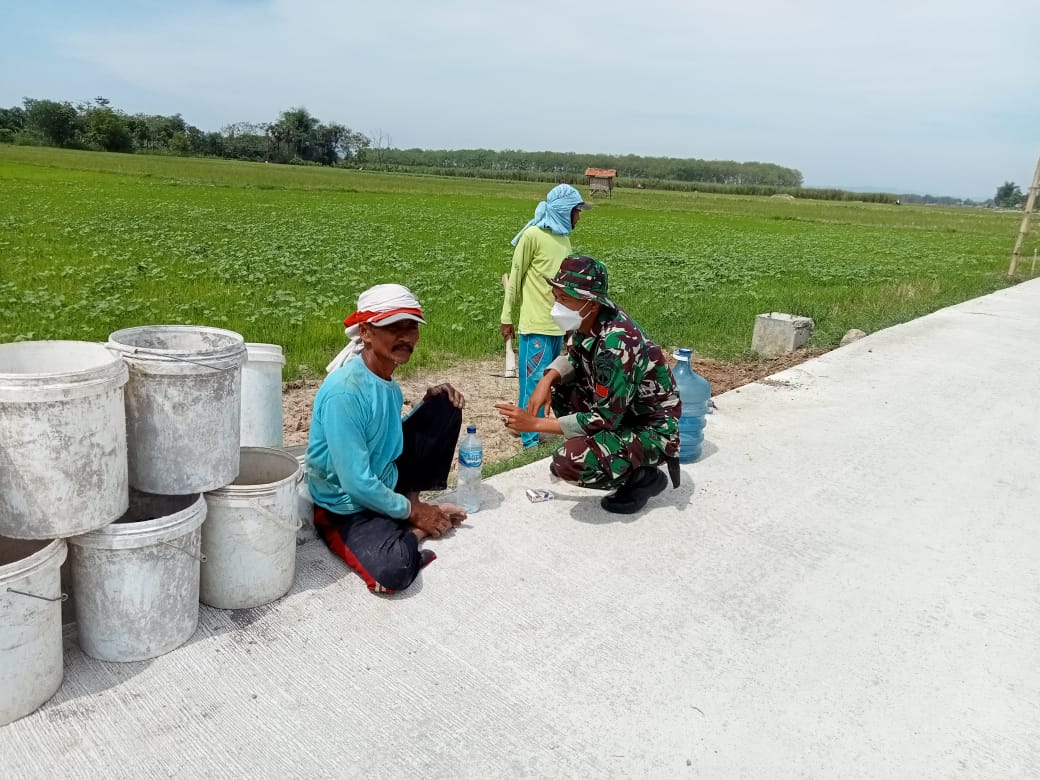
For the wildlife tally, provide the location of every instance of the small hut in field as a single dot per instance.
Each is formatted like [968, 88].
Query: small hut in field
[601, 180]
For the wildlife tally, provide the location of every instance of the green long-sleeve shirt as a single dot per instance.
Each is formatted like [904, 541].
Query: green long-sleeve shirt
[537, 256]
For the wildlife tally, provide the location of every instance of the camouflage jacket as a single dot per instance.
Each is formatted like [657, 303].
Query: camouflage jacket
[628, 374]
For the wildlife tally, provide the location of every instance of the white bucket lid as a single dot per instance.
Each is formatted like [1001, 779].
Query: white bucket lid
[264, 353]
[176, 349]
[37, 554]
[262, 471]
[298, 451]
[185, 514]
[39, 371]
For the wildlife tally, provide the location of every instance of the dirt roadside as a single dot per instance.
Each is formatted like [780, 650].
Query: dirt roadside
[477, 381]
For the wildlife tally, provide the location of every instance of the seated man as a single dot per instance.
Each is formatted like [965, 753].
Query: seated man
[612, 392]
[364, 464]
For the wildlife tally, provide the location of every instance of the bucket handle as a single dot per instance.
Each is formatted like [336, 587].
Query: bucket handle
[277, 520]
[62, 597]
[135, 351]
[201, 558]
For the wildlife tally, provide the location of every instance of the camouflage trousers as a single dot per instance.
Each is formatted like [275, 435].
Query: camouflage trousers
[603, 460]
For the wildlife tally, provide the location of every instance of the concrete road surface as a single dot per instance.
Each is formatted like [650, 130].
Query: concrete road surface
[845, 585]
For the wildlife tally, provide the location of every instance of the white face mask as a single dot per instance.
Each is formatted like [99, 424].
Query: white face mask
[567, 319]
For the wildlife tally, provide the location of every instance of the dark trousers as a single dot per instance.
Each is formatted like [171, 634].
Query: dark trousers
[382, 550]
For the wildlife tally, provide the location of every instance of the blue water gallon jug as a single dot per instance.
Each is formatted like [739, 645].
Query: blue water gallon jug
[695, 393]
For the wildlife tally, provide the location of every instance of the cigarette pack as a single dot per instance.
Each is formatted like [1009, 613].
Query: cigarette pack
[535, 495]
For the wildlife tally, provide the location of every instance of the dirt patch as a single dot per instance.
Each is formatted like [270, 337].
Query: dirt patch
[483, 390]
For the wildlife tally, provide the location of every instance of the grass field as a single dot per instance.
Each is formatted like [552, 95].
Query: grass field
[93, 242]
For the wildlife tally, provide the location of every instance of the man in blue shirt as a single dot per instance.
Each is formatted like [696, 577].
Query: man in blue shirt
[365, 465]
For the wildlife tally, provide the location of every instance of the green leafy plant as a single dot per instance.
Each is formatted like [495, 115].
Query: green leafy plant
[91, 242]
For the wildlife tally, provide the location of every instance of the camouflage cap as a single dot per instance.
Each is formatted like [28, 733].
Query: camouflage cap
[583, 277]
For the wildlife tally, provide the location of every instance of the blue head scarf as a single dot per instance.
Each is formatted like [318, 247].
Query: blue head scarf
[554, 213]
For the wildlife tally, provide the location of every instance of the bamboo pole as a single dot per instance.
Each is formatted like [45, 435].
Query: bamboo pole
[1030, 201]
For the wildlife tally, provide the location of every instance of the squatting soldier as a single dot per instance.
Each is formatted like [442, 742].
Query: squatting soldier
[613, 395]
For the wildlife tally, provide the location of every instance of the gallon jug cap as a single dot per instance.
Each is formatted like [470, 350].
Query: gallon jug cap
[684, 353]
[471, 429]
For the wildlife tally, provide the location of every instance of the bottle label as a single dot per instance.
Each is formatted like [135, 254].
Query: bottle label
[471, 459]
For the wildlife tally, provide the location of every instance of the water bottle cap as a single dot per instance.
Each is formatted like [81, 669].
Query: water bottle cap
[684, 353]
[471, 429]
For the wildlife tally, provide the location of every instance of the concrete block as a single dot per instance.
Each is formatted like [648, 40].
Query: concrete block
[777, 334]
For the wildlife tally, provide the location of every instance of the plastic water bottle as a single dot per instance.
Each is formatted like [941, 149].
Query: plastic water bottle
[471, 462]
[695, 393]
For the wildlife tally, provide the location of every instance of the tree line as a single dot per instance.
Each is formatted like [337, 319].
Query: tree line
[295, 137]
[628, 166]
[298, 137]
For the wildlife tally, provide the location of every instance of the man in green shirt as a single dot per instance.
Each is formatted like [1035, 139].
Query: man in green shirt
[541, 246]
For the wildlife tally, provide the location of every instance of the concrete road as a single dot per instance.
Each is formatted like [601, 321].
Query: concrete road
[846, 585]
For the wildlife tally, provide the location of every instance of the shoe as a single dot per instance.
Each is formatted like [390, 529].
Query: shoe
[644, 483]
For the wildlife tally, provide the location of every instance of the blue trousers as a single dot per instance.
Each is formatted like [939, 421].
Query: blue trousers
[537, 351]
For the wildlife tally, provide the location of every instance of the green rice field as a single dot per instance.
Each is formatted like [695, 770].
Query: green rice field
[93, 242]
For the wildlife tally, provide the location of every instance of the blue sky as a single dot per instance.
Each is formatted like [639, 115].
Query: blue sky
[936, 96]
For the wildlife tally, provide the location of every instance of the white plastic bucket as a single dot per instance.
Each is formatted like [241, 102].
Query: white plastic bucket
[63, 458]
[250, 537]
[183, 406]
[262, 396]
[30, 625]
[137, 580]
[304, 501]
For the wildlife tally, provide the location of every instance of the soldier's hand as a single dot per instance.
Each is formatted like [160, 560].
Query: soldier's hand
[517, 419]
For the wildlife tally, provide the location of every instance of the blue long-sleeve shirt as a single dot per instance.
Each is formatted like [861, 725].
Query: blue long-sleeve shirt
[355, 438]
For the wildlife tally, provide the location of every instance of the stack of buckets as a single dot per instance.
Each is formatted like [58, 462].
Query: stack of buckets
[128, 458]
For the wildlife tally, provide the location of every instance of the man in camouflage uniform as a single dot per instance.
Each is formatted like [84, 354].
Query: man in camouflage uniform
[613, 395]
